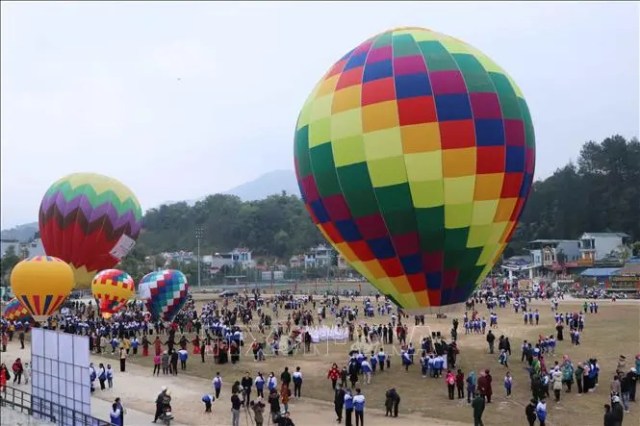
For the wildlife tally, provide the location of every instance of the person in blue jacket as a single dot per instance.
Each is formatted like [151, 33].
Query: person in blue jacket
[358, 406]
[348, 408]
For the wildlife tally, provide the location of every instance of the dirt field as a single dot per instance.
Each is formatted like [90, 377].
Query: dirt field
[611, 332]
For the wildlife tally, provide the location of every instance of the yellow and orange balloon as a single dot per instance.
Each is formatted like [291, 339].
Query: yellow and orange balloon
[41, 284]
[112, 288]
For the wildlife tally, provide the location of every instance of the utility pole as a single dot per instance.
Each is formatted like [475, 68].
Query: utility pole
[199, 234]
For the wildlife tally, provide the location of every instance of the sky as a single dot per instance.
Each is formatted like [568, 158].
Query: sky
[179, 100]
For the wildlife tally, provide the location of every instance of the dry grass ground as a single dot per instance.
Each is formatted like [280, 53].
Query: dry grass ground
[613, 331]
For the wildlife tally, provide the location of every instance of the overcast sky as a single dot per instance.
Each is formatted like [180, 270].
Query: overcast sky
[180, 100]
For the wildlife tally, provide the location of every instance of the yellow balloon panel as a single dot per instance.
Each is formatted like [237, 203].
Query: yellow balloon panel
[42, 284]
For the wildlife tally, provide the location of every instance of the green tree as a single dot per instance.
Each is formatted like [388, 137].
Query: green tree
[9, 260]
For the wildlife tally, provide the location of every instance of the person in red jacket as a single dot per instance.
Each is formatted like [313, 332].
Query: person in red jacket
[17, 371]
[334, 375]
[3, 377]
[460, 384]
[484, 386]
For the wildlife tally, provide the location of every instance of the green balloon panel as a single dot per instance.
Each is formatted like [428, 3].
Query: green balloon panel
[414, 155]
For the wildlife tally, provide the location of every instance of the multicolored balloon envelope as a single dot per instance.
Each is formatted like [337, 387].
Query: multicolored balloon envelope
[112, 289]
[414, 155]
[164, 292]
[42, 284]
[14, 311]
[90, 221]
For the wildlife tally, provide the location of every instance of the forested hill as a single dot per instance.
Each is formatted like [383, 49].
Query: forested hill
[600, 192]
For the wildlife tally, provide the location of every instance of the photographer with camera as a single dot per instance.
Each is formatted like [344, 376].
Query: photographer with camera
[284, 420]
[258, 411]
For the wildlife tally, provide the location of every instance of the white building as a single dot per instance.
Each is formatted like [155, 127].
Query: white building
[548, 254]
[237, 257]
[318, 257]
[597, 246]
[296, 261]
[30, 249]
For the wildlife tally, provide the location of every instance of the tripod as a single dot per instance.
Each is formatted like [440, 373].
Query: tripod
[248, 416]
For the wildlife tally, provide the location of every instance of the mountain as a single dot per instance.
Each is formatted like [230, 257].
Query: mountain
[22, 233]
[268, 184]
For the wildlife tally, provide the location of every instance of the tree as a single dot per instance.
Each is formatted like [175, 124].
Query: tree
[9, 260]
[598, 193]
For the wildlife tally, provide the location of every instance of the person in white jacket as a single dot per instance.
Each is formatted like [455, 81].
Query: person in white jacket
[366, 370]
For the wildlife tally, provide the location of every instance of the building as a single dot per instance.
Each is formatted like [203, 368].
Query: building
[601, 246]
[181, 257]
[318, 257]
[626, 279]
[296, 261]
[554, 255]
[601, 276]
[23, 250]
[237, 257]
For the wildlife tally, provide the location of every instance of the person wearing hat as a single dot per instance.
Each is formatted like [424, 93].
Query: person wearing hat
[530, 412]
[622, 364]
[617, 412]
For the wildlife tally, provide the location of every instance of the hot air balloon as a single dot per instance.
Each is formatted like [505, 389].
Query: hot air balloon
[112, 289]
[414, 155]
[14, 311]
[90, 221]
[41, 284]
[164, 293]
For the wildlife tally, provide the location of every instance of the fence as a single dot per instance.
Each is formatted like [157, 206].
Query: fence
[47, 410]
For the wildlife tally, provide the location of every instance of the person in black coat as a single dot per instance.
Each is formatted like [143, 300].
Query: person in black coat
[246, 383]
[632, 376]
[530, 412]
[617, 412]
[608, 416]
[338, 402]
[392, 402]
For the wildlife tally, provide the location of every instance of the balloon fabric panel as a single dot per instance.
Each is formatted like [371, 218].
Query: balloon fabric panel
[14, 311]
[165, 293]
[414, 156]
[82, 218]
[42, 284]
[113, 289]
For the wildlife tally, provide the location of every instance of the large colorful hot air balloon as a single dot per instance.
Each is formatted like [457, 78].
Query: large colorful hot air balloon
[414, 155]
[112, 289]
[41, 284]
[14, 311]
[164, 293]
[90, 221]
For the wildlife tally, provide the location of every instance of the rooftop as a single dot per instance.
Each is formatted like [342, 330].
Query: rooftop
[599, 272]
[607, 234]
